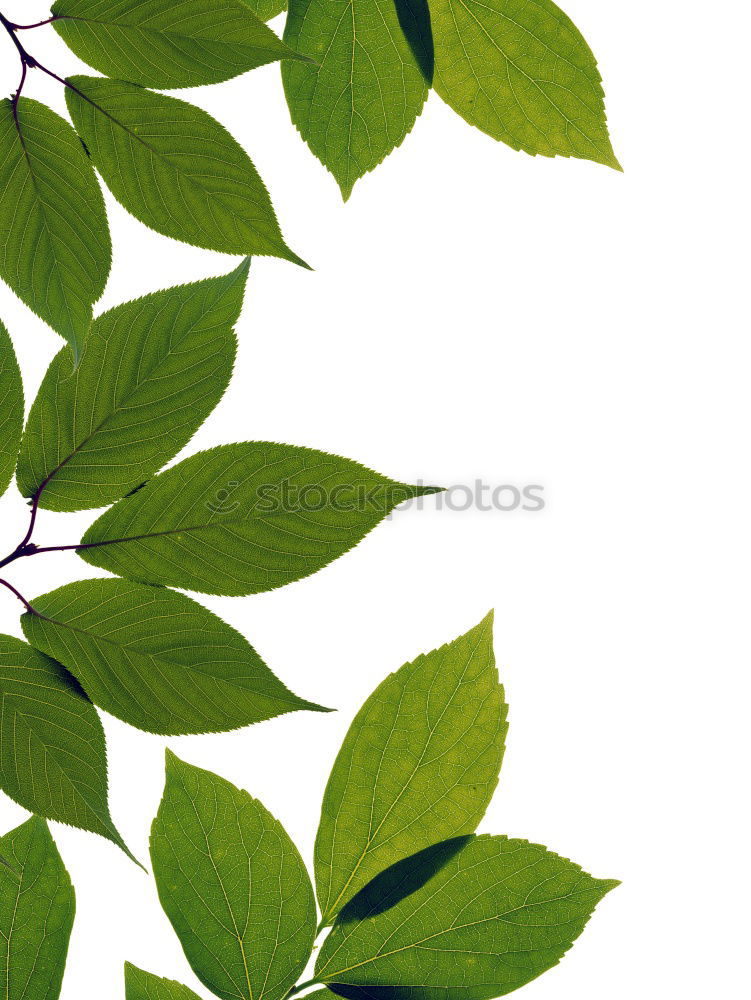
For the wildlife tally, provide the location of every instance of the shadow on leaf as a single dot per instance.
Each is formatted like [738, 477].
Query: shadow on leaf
[400, 881]
[414, 17]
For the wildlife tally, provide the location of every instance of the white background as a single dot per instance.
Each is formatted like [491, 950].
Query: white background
[478, 313]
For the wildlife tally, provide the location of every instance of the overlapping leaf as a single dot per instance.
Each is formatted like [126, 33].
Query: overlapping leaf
[485, 919]
[156, 659]
[140, 985]
[151, 372]
[266, 9]
[53, 759]
[521, 71]
[233, 885]
[11, 409]
[159, 43]
[55, 249]
[243, 518]
[175, 168]
[368, 87]
[37, 906]
[419, 765]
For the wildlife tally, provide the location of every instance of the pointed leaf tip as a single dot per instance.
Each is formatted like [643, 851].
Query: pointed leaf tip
[271, 514]
[437, 728]
[213, 681]
[45, 713]
[547, 99]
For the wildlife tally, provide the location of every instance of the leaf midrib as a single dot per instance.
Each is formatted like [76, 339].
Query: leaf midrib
[154, 656]
[119, 408]
[333, 976]
[45, 225]
[331, 910]
[164, 157]
[128, 25]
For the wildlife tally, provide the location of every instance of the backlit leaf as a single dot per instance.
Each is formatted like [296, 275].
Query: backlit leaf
[11, 409]
[175, 168]
[55, 248]
[367, 90]
[37, 906]
[140, 985]
[242, 518]
[53, 758]
[495, 915]
[159, 43]
[233, 885]
[151, 372]
[156, 659]
[521, 71]
[419, 765]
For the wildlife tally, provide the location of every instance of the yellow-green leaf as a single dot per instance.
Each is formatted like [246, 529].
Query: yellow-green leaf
[419, 765]
[521, 71]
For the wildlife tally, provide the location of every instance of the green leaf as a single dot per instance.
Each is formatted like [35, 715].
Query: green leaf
[53, 757]
[158, 43]
[266, 9]
[367, 90]
[521, 71]
[156, 659]
[419, 765]
[233, 885]
[37, 906]
[242, 518]
[175, 168]
[151, 372]
[11, 409]
[55, 250]
[140, 985]
[486, 919]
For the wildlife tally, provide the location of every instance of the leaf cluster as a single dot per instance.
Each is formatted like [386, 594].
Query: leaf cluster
[236, 519]
[419, 906]
[356, 75]
[519, 70]
[168, 162]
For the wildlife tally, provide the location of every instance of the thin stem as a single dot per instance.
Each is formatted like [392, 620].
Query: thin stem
[34, 511]
[37, 550]
[39, 24]
[27, 60]
[21, 598]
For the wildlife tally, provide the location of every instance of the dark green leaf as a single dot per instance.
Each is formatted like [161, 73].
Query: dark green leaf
[266, 9]
[175, 168]
[11, 409]
[521, 71]
[159, 43]
[151, 372]
[495, 915]
[53, 757]
[367, 90]
[37, 906]
[233, 885]
[419, 765]
[55, 249]
[156, 659]
[242, 518]
[140, 985]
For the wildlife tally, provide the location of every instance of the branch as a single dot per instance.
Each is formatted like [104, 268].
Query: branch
[21, 598]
